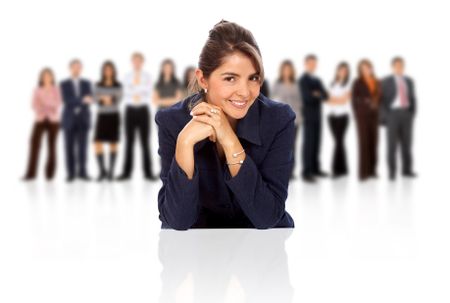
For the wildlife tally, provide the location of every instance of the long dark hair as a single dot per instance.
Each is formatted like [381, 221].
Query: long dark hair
[224, 39]
[347, 76]
[365, 62]
[42, 73]
[187, 71]
[173, 78]
[289, 64]
[111, 65]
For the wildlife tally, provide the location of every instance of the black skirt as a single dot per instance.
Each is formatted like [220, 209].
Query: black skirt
[107, 127]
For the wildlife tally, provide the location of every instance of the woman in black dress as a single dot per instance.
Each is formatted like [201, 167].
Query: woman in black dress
[108, 93]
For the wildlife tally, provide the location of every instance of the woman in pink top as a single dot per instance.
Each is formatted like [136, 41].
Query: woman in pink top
[46, 105]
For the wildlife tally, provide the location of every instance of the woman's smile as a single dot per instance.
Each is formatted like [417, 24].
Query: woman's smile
[238, 104]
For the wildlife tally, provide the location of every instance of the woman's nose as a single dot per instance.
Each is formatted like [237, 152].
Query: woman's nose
[243, 91]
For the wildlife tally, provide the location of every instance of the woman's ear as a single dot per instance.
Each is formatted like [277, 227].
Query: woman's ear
[201, 79]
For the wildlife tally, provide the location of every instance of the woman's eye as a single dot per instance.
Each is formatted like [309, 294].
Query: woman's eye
[254, 78]
[229, 79]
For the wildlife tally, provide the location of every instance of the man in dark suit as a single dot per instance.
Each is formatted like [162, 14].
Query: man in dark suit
[76, 121]
[398, 110]
[313, 94]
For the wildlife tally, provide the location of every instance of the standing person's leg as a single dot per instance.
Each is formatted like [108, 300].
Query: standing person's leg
[339, 158]
[374, 147]
[392, 140]
[112, 160]
[343, 152]
[82, 151]
[306, 149]
[100, 133]
[363, 146]
[53, 128]
[317, 140]
[130, 130]
[332, 122]
[115, 124]
[370, 146]
[406, 142]
[69, 145]
[144, 132]
[100, 160]
[35, 146]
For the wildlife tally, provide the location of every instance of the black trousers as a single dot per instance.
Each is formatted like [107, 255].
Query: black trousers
[338, 125]
[137, 119]
[311, 146]
[399, 132]
[76, 145]
[367, 127]
[39, 128]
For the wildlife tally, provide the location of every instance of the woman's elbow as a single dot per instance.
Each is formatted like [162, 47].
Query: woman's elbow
[181, 222]
[180, 226]
[271, 221]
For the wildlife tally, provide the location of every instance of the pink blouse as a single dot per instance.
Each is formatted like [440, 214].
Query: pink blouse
[47, 103]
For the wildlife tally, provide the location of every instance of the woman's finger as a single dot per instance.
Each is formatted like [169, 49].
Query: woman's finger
[203, 111]
[204, 118]
[205, 108]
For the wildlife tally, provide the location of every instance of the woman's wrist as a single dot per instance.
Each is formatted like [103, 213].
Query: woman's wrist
[184, 142]
[234, 148]
[230, 144]
[184, 155]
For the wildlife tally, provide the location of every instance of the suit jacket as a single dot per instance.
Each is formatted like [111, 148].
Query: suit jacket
[75, 112]
[363, 101]
[312, 105]
[389, 92]
[255, 197]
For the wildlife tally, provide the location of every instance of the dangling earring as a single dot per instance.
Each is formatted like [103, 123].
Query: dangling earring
[206, 90]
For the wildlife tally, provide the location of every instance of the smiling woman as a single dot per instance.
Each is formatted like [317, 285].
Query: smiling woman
[226, 150]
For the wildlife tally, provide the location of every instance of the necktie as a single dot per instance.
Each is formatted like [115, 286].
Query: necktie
[402, 92]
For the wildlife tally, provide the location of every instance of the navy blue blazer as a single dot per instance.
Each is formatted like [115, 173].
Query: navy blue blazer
[75, 111]
[312, 105]
[254, 198]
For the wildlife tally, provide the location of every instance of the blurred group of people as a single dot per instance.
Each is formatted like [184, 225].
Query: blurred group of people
[76, 94]
[390, 101]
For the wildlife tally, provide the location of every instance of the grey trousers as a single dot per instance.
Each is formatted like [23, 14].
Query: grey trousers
[399, 132]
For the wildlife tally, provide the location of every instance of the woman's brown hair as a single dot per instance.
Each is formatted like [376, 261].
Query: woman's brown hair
[377, 92]
[290, 64]
[224, 39]
[41, 76]
[364, 62]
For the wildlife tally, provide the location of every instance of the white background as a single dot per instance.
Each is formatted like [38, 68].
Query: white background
[372, 242]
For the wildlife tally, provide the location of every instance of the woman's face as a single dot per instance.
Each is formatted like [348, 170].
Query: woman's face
[108, 71]
[233, 86]
[342, 73]
[366, 70]
[47, 78]
[167, 69]
[286, 72]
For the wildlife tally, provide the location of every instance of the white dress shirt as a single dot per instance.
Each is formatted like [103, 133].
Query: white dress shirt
[338, 90]
[143, 89]
[397, 102]
[76, 86]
